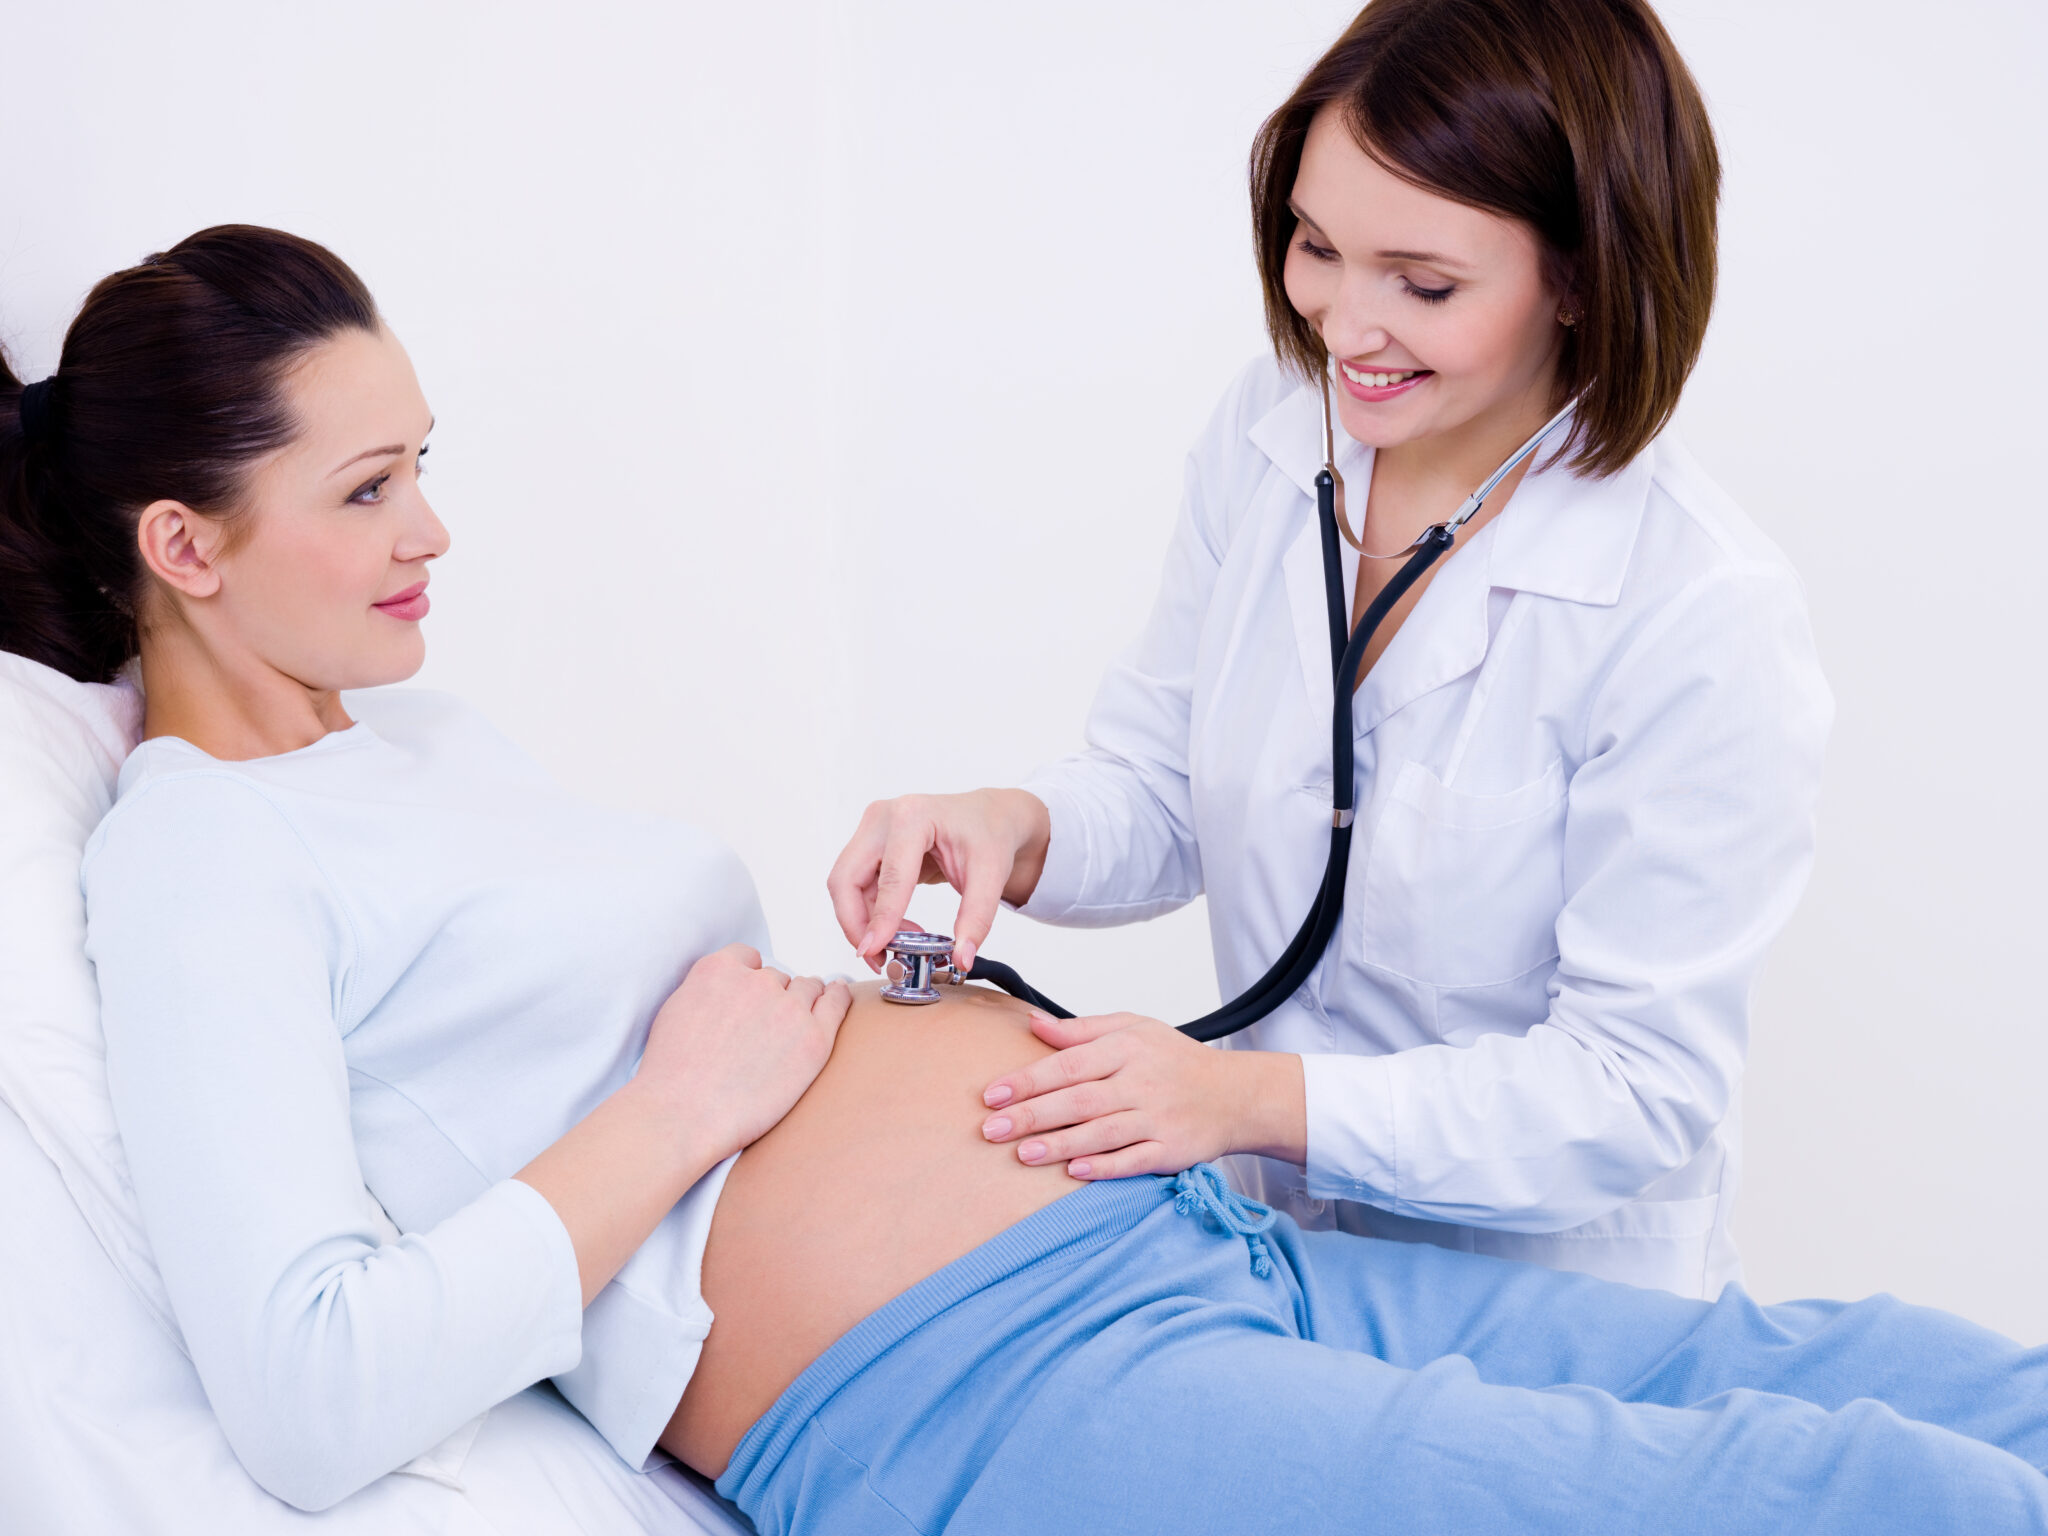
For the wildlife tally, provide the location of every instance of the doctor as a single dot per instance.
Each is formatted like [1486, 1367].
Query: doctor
[1588, 743]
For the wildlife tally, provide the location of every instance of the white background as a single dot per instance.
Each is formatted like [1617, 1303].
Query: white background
[814, 377]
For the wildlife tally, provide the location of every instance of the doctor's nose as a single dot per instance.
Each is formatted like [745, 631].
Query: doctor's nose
[1353, 336]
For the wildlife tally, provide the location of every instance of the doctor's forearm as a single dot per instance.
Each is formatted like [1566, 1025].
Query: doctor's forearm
[1272, 1115]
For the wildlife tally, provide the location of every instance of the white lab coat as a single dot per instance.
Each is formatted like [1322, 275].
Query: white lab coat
[1587, 767]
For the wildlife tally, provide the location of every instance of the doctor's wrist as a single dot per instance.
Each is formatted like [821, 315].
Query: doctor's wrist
[1030, 824]
[1272, 1104]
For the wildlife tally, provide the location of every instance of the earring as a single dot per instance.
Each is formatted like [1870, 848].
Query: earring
[1567, 317]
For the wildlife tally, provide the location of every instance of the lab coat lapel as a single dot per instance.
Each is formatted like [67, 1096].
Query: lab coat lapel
[1302, 569]
[1291, 435]
[1446, 635]
[1561, 536]
[1444, 638]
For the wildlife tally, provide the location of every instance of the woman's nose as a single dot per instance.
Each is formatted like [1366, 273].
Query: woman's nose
[427, 538]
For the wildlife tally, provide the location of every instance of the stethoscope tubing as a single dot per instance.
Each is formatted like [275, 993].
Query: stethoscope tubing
[1294, 965]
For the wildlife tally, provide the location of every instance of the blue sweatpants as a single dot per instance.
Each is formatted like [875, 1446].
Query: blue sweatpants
[1161, 1355]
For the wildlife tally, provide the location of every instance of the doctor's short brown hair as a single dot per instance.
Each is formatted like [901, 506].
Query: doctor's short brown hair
[1576, 117]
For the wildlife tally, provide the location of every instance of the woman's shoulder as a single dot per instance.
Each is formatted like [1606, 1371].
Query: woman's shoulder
[173, 797]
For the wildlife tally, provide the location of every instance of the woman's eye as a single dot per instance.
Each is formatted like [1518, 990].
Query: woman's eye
[419, 464]
[371, 493]
[1429, 295]
[1308, 247]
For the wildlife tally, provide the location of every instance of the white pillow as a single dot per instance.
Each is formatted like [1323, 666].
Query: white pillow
[61, 748]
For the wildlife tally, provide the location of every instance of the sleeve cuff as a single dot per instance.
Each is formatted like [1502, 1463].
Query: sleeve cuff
[1062, 881]
[1353, 1136]
[644, 1332]
[550, 1259]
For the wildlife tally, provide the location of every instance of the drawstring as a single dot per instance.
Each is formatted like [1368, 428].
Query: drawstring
[1202, 1191]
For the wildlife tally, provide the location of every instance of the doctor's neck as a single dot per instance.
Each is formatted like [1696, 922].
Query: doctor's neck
[1446, 466]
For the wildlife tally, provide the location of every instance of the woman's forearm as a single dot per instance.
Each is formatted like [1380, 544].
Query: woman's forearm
[616, 1173]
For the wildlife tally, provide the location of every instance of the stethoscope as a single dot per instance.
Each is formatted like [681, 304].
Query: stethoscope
[919, 963]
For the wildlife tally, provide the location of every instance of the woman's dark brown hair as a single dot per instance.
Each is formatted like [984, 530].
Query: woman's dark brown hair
[1576, 117]
[170, 387]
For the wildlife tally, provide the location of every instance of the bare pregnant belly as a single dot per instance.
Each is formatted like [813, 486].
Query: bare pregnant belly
[878, 1178]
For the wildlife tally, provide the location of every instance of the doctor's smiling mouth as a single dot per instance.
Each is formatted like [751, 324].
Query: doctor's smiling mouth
[1374, 385]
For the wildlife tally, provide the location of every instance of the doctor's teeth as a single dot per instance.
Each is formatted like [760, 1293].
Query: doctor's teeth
[1378, 380]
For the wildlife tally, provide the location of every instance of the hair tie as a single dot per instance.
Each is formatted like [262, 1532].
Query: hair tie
[35, 409]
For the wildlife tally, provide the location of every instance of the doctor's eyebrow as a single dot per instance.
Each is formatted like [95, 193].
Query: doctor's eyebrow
[1295, 208]
[1430, 258]
[377, 453]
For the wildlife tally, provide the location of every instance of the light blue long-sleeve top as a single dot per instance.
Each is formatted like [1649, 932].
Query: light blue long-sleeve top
[348, 992]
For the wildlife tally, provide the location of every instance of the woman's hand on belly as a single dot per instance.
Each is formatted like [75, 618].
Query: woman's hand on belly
[1124, 1094]
[738, 1043]
[728, 1054]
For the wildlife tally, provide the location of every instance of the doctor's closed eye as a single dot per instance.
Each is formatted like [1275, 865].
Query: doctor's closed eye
[1306, 244]
[1428, 295]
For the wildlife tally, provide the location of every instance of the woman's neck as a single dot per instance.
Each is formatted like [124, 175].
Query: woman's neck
[233, 708]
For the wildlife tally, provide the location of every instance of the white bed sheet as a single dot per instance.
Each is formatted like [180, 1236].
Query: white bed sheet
[104, 1427]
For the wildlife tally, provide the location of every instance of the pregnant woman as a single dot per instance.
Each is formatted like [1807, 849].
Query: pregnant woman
[419, 1115]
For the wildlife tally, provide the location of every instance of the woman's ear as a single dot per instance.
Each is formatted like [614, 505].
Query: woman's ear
[180, 547]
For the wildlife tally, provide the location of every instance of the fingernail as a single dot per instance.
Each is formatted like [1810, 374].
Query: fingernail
[997, 1129]
[1040, 1016]
[1078, 1169]
[998, 1096]
[1031, 1151]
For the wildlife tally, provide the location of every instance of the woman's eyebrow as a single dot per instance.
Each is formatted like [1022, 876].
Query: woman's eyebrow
[377, 453]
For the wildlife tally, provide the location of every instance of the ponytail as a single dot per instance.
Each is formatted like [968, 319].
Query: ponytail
[170, 387]
[50, 611]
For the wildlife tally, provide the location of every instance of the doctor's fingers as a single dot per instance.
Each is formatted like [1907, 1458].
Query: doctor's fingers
[1056, 1110]
[982, 875]
[1077, 1060]
[851, 883]
[1127, 1162]
[1091, 1140]
[805, 990]
[906, 864]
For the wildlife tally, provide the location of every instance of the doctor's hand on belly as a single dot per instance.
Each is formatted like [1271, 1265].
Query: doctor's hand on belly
[1124, 1094]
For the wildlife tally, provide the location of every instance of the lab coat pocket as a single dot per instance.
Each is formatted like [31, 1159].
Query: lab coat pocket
[1463, 890]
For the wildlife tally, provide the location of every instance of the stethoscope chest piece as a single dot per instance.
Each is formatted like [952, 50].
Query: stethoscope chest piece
[918, 964]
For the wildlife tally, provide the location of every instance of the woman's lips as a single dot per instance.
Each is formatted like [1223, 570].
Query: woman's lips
[410, 605]
[1367, 383]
